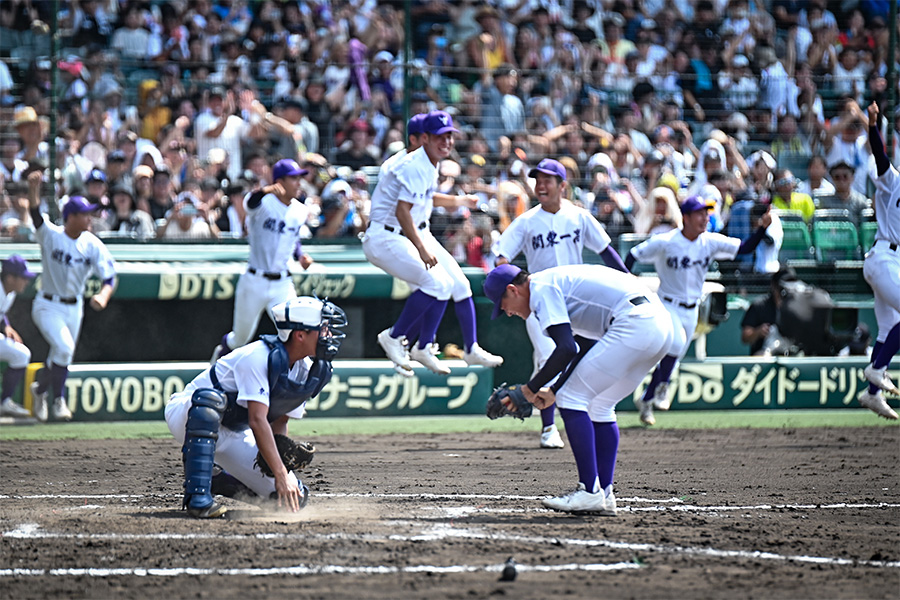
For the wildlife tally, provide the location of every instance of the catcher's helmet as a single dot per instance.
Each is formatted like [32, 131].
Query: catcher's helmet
[309, 313]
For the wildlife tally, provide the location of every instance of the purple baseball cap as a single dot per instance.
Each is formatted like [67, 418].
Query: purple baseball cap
[550, 167]
[77, 205]
[438, 122]
[495, 285]
[693, 204]
[287, 167]
[16, 265]
[415, 124]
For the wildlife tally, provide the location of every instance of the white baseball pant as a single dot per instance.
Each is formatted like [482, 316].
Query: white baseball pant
[15, 354]
[617, 363]
[881, 270]
[396, 255]
[235, 450]
[684, 321]
[60, 324]
[254, 295]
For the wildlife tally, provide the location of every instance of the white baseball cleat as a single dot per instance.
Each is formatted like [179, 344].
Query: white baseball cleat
[646, 410]
[578, 501]
[880, 378]
[550, 437]
[11, 409]
[426, 357]
[61, 412]
[661, 398]
[39, 403]
[479, 356]
[877, 404]
[394, 349]
[610, 509]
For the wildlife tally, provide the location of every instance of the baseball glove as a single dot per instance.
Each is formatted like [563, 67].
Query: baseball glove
[496, 408]
[294, 455]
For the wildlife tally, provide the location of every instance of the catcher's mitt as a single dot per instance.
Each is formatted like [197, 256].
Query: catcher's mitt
[294, 455]
[496, 408]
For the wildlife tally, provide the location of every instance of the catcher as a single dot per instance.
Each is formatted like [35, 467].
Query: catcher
[235, 413]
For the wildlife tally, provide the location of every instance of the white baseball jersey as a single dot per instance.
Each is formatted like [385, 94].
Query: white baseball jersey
[67, 264]
[632, 329]
[412, 179]
[882, 267]
[585, 296]
[552, 239]
[245, 370]
[273, 229]
[887, 206]
[12, 352]
[681, 264]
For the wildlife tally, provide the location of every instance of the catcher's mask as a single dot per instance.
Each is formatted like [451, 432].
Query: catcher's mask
[311, 314]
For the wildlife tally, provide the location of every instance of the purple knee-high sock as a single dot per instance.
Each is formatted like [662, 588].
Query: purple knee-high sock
[465, 312]
[888, 349]
[580, 431]
[606, 440]
[431, 321]
[11, 380]
[662, 374]
[58, 375]
[548, 416]
[876, 349]
[413, 311]
[435, 314]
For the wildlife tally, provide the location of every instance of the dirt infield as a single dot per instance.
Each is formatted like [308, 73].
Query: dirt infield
[790, 513]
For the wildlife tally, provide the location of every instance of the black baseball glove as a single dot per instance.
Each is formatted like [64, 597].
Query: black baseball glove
[294, 455]
[521, 407]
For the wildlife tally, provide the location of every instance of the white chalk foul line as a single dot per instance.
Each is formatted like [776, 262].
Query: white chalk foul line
[443, 531]
[312, 570]
[678, 504]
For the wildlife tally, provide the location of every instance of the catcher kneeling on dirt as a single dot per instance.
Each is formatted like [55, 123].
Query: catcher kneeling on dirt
[235, 414]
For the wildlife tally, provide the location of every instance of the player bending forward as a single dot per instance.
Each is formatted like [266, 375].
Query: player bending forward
[231, 411]
[882, 271]
[609, 331]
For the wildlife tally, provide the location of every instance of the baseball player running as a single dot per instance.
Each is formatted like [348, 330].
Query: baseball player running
[552, 234]
[69, 256]
[399, 242]
[608, 330]
[682, 258]
[274, 220]
[14, 278]
[881, 270]
[231, 412]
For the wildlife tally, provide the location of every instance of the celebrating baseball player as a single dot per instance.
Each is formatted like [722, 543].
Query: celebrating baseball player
[682, 258]
[552, 234]
[882, 271]
[274, 220]
[231, 413]
[14, 278]
[399, 241]
[608, 330]
[69, 256]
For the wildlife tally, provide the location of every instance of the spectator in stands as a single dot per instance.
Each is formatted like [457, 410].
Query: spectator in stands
[784, 196]
[765, 259]
[116, 172]
[789, 139]
[127, 218]
[143, 187]
[90, 24]
[34, 148]
[662, 213]
[844, 196]
[357, 153]
[762, 164]
[219, 127]
[229, 215]
[186, 221]
[131, 40]
[816, 185]
[502, 111]
[846, 140]
[162, 197]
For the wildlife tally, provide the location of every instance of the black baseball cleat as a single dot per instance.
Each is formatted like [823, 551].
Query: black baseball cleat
[213, 511]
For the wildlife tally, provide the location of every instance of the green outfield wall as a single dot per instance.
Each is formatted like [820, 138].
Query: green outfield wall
[117, 392]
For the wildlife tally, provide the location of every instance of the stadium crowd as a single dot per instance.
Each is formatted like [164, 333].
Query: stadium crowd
[169, 112]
